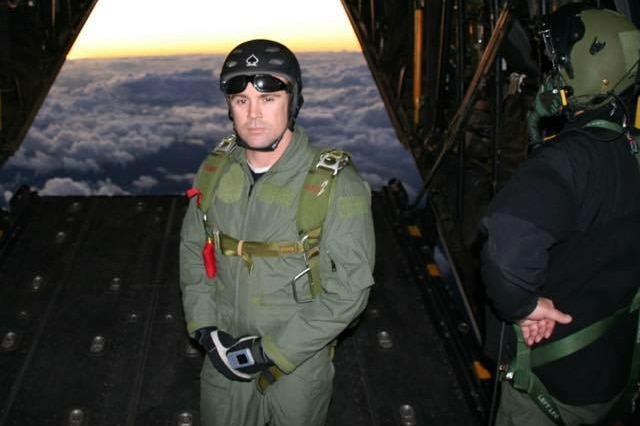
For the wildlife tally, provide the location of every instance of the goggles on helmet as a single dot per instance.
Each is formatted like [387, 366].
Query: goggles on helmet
[264, 83]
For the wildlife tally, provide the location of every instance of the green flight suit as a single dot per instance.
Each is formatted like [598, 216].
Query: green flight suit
[258, 299]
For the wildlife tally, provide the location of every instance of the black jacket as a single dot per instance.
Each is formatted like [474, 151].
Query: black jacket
[566, 226]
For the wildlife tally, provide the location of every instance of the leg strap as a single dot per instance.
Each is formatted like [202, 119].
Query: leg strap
[268, 377]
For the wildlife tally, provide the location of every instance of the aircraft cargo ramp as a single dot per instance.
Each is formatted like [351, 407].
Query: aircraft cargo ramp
[92, 331]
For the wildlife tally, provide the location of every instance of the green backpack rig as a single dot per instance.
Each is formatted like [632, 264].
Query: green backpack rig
[317, 193]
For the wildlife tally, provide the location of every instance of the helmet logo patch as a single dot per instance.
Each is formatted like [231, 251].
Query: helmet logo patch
[596, 46]
[252, 61]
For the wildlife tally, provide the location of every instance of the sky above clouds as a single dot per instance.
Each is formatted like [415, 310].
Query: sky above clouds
[119, 28]
[143, 125]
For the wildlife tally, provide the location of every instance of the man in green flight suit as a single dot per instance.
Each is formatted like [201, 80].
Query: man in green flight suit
[265, 298]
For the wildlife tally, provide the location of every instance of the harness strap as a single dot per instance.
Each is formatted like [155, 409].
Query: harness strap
[615, 127]
[247, 249]
[628, 401]
[576, 341]
[524, 379]
[208, 176]
[605, 124]
[268, 377]
[316, 196]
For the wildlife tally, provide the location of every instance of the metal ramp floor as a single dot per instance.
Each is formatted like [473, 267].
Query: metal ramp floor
[92, 333]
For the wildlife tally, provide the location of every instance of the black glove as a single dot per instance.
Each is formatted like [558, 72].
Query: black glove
[203, 336]
[237, 359]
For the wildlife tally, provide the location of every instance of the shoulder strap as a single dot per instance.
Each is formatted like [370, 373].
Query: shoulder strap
[317, 190]
[606, 124]
[614, 127]
[316, 196]
[208, 174]
[629, 400]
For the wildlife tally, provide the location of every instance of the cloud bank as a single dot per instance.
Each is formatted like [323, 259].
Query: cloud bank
[142, 125]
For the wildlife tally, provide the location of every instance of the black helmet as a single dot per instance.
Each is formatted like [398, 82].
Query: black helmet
[265, 57]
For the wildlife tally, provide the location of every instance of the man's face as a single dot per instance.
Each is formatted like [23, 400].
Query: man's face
[259, 118]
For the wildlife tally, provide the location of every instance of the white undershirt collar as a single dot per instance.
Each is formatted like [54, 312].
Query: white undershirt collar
[258, 170]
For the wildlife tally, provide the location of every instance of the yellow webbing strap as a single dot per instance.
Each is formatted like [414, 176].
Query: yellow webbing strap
[246, 249]
[272, 374]
[268, 377]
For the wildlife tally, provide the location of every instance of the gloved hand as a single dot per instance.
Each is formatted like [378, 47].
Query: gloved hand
[548, 101]
[203, 336]
[237, 359]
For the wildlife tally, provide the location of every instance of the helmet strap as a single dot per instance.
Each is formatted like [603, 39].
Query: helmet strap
[270, 148]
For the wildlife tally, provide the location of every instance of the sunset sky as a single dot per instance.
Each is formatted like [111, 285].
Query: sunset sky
[141, 120]
[121, 28]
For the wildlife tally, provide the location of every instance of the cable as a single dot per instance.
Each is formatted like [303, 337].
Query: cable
[494, 393]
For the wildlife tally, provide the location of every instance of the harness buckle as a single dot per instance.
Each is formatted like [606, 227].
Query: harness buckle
[333, 161]
[211, 233]
[227, 145]
[295, 279]
[505, 373]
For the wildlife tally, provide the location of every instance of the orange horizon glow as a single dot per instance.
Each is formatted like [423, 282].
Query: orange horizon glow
[205, 48]
[123, 28]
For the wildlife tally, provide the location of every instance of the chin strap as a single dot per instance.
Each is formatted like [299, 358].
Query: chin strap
[271, 147]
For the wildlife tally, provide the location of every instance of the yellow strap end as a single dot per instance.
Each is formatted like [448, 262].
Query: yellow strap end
[563, 97]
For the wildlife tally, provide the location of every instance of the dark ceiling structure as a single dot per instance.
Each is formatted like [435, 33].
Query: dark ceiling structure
[35, 37]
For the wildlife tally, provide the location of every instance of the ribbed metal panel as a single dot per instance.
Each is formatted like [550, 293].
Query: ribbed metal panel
[92, 330]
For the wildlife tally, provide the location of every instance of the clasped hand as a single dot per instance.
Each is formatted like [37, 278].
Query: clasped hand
[539, 324]
[236, 358]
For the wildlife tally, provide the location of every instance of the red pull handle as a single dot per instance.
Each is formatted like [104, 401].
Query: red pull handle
[209, 258]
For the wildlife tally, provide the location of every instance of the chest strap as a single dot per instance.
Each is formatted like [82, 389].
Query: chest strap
[247, 249]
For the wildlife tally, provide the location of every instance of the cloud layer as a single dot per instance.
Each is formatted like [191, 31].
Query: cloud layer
[142, 125]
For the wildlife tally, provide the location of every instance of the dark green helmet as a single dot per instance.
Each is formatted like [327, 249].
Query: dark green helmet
[596, 51]
[255, 57]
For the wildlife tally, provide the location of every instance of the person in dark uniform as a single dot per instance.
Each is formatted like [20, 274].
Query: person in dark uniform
[563, 235]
